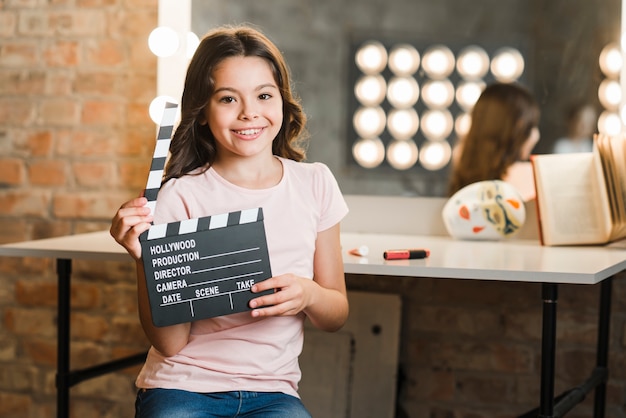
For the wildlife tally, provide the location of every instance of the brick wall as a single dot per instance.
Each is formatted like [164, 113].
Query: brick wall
[75, 141]
[76, 78]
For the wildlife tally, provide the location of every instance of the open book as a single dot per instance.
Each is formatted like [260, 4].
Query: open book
[581, 198]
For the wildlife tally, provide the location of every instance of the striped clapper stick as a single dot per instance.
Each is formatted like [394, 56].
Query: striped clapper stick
[203, 267]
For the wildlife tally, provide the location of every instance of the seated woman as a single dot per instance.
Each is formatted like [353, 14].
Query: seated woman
[503, 132]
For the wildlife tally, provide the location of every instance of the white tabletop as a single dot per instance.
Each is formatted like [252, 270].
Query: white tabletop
[513, 260]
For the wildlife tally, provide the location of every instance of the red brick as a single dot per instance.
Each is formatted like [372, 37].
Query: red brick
[12, 171]
[134, 174]
[23, 202]
[107, 52]
[15, 82]
[93, 174]
[47, 173]
[36, 293]
[78, 23]
[61, 54]
[19, 53]
[15, 405]
[59, 112]
[16, 112]
[84, 205]
[83, 143]
[97, 83]
[8, 23]
[89, 327]
[102, 112]
[40, 351]
[38, 143]
[31, 322]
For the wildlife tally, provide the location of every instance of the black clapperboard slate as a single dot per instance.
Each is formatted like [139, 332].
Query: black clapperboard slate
[204, 267]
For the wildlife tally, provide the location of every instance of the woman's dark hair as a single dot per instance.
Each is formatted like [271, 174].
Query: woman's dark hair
[502, 120]
[193, 144]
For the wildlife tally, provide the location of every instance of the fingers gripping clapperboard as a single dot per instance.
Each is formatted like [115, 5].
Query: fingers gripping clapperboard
[204, 267]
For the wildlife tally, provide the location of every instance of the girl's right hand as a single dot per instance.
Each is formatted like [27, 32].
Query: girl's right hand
[131, 219]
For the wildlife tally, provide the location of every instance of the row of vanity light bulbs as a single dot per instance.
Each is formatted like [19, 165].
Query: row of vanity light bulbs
[613, 118]
[401, 89]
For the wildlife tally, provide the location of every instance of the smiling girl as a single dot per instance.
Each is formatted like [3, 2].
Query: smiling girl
[236, 148]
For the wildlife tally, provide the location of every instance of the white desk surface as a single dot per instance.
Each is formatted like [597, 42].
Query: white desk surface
[513, 260]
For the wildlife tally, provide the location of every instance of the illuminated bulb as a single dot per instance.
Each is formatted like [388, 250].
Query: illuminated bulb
[192, 44]
[436, 124]
[403, 92]
[368, 153]
[435, 155]
[609, 123]
[157, 106]
[611, 60]
[462, 124]
[507, 65]
[370, 90]
[163, 41]
[371, 58]
[438, 94]
[438, 61]
[402, 123]
[369, 122]
[402, 155]
[404, 60]
[610, 94]
[468, 92]
[472, 63]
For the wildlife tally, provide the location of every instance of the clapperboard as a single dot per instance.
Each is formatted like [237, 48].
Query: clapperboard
[204, 267]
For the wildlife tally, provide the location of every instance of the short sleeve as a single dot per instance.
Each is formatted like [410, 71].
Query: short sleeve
[333, 207]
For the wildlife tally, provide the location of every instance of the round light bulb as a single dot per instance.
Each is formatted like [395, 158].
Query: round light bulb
[472, 63]
[370, 90]
[402, 123]
[403, 92]
[467, 93]
[404, 60]
[611, 60]
[610, 94]
[192, 44]
[436, 124]
[402, 155]
[371, 57]
[435, 155]
[369, 122]
[368, 153]
[438, 94]
[507, 65]
[609, 123]
[157, 105]
[163, 41]
[438, 61]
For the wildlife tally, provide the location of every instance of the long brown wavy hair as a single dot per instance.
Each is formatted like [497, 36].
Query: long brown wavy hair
[502, 120]
[193, 144]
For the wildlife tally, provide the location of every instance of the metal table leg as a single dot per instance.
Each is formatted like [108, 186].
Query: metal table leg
[549, 292]
[64, 271]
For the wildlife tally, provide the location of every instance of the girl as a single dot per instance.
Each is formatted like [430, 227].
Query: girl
[236, 148]
[503, 132]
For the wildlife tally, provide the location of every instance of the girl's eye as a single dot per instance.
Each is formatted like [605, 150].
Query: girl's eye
[227, 99]
[265, 96]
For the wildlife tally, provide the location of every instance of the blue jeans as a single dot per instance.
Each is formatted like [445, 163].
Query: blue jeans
[173, 403]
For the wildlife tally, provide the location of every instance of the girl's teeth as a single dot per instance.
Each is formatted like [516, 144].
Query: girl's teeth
[249, 131]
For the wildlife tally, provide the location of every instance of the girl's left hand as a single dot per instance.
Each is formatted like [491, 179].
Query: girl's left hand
[291, 296]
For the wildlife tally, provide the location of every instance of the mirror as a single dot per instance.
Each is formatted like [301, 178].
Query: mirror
[561, 41]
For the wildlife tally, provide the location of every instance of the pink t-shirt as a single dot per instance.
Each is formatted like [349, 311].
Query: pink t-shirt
[237, 352]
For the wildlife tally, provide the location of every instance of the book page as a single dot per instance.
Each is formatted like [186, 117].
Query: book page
[617, 147]
[571, 199]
